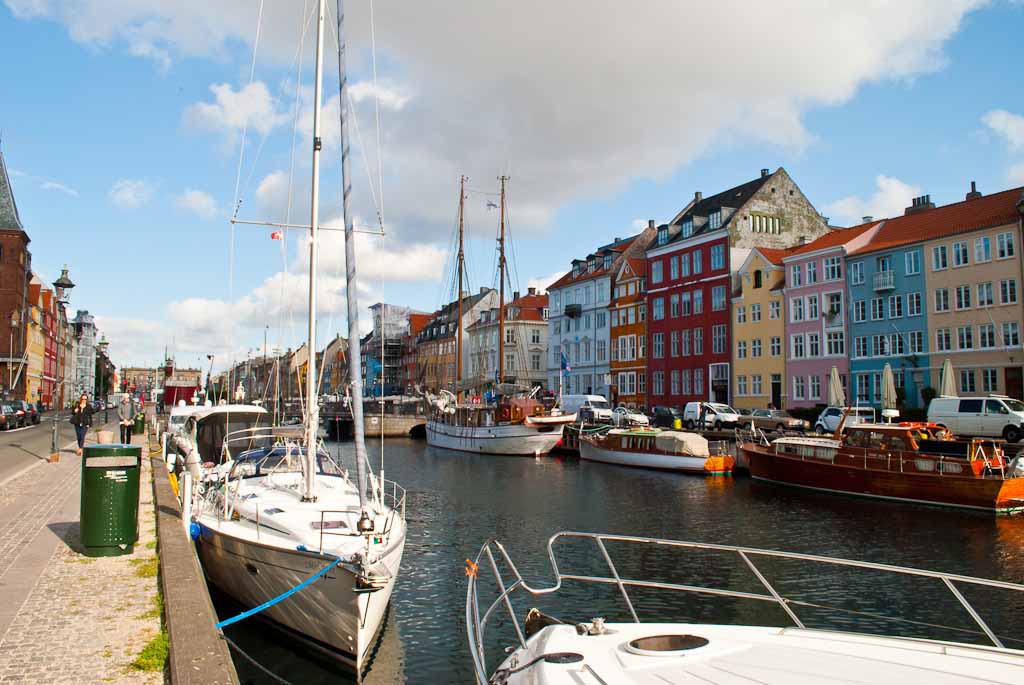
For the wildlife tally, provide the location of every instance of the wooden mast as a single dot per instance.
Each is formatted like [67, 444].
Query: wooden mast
[501, 286]
[458, 295]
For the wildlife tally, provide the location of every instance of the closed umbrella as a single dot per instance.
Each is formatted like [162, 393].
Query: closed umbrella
[836, 396]
[888, 393]
[947, 388]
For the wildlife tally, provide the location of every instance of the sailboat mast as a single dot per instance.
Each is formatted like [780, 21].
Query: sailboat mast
[458, 296]
[312, 408]
[354, 353]
[501, 286]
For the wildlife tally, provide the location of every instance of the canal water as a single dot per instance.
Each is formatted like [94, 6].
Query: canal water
[457, 501]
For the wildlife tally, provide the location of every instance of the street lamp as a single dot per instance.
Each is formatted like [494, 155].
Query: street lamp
[62, 287]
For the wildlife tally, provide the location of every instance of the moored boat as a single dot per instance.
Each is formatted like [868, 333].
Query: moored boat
[910, 462]
[655, 449]
[514, 427]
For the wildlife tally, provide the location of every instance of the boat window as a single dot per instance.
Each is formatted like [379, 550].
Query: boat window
[857, 439]
[896, 442]
[995, 407]
[924, 464]
[950, 467]
[825, 453]
[970, 406]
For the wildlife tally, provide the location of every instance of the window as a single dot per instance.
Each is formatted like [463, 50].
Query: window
[601, 319]
[965, 337]
[798, 387]
[833, 268]
[718, 334]
[741, 314]
[983, 249]
[916, 340]
[601, 349]
[755, 383]
[835, 343]
[960, 253]
[860, 346]
[895, 306]
[510, 336]
[684, 264]
[912, 262]
[1008, 291]
[796, 309]
[774, 309]
[673, 267]
[627, 383]
[658, 382]
[755, 347]
[685, 307]
[686, 381]
[658, 309]
[877, 309]
[717, 257]
[755, 313]
[857, 273]
[813, 345]
[658, 343]
[986, 297]
[641, 312]
[815, 387]
[914, 304]
[673, 305]
[698, 341]
[989, 380]
[967, 381]
[698, 381]
[797, 345]
[880, 345]
[697, 261]
[1011, 334]
[896, 345]
[718, 298]
[776, 346]
[860, 311]
[796, 276]
[615, 319]
[535, 336]
[1004, 246]
[940, 260]
[715, 219]
[662, 235]
[698, 301]
[812, 272]
[741, 385]
[862, 387]
[883, 263]
[943, 340]
[641, 383]
[673, 348]
[688, 227]
[758, 279]
[833, 305]
[812, 307]
[686, 343]
[987, 336]
[641, 346]
[656, 271]
[675, 382]
[963, 297]
[942, 300]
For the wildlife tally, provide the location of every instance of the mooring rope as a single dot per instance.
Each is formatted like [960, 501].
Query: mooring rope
[283, 596]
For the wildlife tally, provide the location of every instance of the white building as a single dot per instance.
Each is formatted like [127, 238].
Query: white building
[526, 342]
[84, 378]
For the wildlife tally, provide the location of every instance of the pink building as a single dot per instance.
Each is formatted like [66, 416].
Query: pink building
[817, 314]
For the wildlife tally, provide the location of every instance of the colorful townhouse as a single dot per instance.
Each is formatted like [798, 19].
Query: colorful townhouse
[525, 332]
[578, 324]
[628, 320]
[759, 365]
[928, 286]
[436, 344]
[816, 315]
[689, 281]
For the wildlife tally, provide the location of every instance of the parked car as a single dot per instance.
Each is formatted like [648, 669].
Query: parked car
[666, 417]
[626, 416]
[776, 420]
[594, 407]
[8, 417]
[31, 413]
[994, 416]
[829, 418]
[18, 416]
[716, 415]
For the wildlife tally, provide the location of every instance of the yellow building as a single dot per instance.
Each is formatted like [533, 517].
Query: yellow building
[35, 343]
[758, 358]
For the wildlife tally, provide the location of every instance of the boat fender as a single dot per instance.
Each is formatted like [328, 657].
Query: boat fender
[194, 530]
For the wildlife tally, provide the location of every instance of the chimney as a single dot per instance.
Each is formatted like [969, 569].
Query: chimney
[920, 204]
[698, 196]
[867, 219]
[974, 194]
[531, 291]
[764, 173]
[801, 240]
[483, 290]
[515, 295]
[650, 223]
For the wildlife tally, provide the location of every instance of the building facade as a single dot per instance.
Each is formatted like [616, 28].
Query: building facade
[628, 321]
[525, 348]
[35, 343]
[436, 352]
[85, 353]
[759, 365]
[15, 274]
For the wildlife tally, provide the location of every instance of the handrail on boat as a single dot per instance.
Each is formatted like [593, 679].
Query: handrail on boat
[507, 585]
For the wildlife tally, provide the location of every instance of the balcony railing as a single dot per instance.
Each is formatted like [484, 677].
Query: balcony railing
[573, 311]
[885, 280]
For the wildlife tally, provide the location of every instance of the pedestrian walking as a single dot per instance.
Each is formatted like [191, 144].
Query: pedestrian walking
[126, 417]
[81, 419]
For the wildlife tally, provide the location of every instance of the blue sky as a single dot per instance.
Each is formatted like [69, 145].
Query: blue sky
[121, 125]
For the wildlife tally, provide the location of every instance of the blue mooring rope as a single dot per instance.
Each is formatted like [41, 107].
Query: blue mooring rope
[284, 595]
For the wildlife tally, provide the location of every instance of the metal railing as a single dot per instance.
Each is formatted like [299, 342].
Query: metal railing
[885, 280]
[476, 623]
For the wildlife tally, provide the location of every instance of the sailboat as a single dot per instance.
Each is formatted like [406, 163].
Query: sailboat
[278, 511]
[516, 424]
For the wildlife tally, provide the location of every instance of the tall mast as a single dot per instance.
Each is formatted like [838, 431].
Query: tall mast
[458, 296]
[501, 286]
[354, 353]
[312, 409]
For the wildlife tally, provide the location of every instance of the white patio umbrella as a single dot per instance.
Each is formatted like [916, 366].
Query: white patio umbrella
[947, 386]
[836, 396]
[888, 393]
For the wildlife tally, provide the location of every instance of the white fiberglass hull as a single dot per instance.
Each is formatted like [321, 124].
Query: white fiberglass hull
[516, 439]
[646, 460]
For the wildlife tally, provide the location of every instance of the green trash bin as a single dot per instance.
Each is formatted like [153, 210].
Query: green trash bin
[140, 424]
[110, 499]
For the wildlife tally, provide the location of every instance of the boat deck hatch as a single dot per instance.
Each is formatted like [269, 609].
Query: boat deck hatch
[666, 645]
[563, 658]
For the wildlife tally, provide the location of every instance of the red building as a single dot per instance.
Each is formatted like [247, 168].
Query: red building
[48, 385]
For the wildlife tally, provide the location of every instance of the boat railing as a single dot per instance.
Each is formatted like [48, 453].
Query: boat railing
[511, 582]
[392, 496]
[896, 461]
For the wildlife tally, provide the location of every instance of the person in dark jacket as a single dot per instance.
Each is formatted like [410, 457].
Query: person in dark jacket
[81, 419]
[126, 417]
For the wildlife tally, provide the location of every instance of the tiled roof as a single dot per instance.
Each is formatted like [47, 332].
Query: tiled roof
[774, 255]
[531, 308]
[733, 198]
[834, 238]
[987, 211]
[9, 219]
[638, 265]
[449, 313]
[617, 247]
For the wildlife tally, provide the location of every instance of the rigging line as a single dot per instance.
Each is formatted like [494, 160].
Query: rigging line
[376, 101]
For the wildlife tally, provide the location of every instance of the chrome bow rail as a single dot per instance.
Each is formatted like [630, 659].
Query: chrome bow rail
[476, 624]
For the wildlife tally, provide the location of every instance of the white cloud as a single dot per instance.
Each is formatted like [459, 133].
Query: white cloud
[892, 197]
[198, 202]
[542, 283]
[232, 110]
[1015, 175]
[130, 193]
[390, 96]
[59, 187]
[1008, 125]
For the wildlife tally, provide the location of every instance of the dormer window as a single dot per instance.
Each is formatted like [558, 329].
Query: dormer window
[607, 261]
[688, 227]
[575, 271]
[715, 220]
[591, 265]
[663, 235]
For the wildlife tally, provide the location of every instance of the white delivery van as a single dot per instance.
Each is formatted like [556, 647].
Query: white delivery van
[596, 406]
[716, 415]
[994, 416]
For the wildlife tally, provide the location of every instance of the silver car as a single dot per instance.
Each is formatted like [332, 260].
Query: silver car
[776, 420]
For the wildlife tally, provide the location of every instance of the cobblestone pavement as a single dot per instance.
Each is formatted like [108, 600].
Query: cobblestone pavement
[85, 619]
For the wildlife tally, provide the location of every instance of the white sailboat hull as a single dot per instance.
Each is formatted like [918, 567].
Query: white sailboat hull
[512, 440]
[647, 460]
[329, 612]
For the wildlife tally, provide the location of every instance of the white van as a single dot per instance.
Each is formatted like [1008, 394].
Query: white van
[716, 415]
[994, 416]
[829, 418]
[595, 406]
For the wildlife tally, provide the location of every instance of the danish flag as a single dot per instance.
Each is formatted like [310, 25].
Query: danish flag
[277, 235]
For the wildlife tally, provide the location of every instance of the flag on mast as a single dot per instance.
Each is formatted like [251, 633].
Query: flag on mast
[277, 235]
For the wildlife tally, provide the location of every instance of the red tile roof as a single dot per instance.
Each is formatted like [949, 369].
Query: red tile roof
[988, 211]
[568, 279]
[834, 238]
[638, 265]
[531, 308]
[774, 255]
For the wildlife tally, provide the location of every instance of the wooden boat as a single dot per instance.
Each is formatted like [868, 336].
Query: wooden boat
[909, 462]
[655, 449]
[514, 427]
